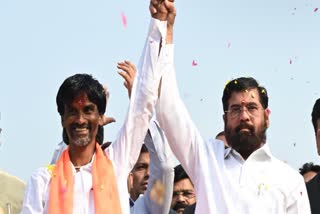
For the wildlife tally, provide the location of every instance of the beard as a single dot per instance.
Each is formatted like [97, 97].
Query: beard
[75, 138]
[82, 141]
[246, 142]
[179, 205]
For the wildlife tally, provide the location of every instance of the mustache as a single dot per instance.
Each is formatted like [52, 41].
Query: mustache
[244, 126]
[81, 126]
[179, 205]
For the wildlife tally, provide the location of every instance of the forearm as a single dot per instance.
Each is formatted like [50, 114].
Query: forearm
[175, 120]
[162, 163]
[126, 149]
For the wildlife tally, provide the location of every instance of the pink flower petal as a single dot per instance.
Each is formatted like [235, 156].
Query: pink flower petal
[290, 61]
[315, 9]
[268, 111]
[229, 45]
[194, 63]
[124, 20]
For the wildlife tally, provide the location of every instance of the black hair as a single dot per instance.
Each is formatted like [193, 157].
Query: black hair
[315, 115]
[179, 174]
[75, 85]
[309, 167]
[144, 149]
[242, 84]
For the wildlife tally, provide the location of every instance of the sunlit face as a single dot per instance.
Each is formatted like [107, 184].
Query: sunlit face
[183, 195]
[139, 176]
[246, 122]
[81, 120]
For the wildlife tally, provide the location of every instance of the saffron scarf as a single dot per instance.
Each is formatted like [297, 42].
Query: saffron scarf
[105, 191]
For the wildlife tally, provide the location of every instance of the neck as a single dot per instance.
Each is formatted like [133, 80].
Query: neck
[245, 153]
[81, 155]
[134, 196]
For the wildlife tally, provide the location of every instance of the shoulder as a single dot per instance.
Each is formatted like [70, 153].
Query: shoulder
[41, 176]
[287, 176]
[215, 145]
[139, 206]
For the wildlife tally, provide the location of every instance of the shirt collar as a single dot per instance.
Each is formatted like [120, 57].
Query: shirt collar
[131, 202]
[260, 154]
[86, 167]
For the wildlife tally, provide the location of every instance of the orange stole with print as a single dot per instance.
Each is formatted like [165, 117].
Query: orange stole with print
[105, 191]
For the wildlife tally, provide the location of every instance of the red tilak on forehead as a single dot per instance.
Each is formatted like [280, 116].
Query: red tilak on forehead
[80, 100]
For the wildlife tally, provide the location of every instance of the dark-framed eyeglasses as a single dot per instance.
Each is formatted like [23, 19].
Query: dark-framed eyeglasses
[235, 111]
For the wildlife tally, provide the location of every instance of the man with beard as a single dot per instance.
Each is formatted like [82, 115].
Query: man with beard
[313, 186]
[183, 191]
[245, 178]
[87, 179]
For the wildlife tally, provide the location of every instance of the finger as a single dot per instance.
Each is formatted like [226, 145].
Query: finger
[124, 68]
[152, 9]
[107, 120]
[155, 2]
[125, 84]
[130, 64]
[122, 65]
[125, 76]
[131, 70]
[170, 6]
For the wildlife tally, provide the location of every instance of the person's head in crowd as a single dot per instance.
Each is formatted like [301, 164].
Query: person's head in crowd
[315, 115]
[183, 190]
[309, 170]
[221, 136]
[81, 102]
[246, 115]
[139, 175]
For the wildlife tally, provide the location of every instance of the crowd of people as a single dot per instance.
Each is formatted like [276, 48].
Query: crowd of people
[136, 173]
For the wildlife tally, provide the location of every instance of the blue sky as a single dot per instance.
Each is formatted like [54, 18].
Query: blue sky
[44, 42]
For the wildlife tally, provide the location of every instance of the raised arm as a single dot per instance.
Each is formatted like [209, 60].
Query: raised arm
[125, 150]
[162, 160]
[172, 115]
[159, 193]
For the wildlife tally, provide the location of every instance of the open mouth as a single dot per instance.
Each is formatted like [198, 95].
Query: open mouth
[81, 130]
[245, 130]
[145, 185]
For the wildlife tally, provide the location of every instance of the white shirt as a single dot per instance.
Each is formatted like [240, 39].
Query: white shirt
[123, 153]
[224, 182]
[162, 162]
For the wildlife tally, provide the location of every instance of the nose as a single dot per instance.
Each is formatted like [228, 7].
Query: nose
[244, 115]
[80, 118]
[180, 197]
[147, 173]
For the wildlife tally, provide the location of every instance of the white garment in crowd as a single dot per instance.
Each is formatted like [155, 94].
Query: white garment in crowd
[162, 162]
[123, 153]
[223, 181]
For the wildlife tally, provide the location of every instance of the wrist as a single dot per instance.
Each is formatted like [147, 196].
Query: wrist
[169, 36]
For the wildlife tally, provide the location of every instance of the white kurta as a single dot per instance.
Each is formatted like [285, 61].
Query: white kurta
[162, 162]
[123, 153]
[224, 182]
